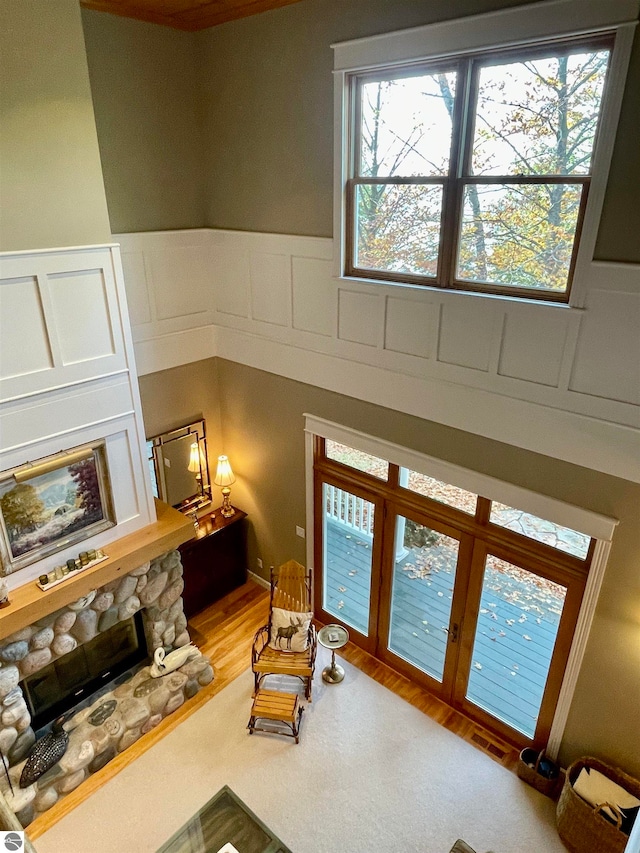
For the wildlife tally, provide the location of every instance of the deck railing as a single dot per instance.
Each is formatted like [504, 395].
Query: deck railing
[350, 510]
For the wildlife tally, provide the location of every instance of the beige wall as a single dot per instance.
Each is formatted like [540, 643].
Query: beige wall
[262, 417]
[144, 81]
[51, 190]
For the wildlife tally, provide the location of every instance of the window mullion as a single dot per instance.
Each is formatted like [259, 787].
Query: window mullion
[453, 188]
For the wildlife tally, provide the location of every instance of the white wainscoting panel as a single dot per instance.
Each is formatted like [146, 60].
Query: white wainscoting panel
[484, 364]
[68, 377]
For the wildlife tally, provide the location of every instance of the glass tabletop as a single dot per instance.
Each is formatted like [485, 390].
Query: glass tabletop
[333, 636]
[224, 820]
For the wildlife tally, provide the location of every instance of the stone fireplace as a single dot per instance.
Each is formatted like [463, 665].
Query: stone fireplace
[47, 626]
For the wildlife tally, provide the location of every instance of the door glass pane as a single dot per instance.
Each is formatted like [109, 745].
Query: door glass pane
[515, 636]
[438, 491]
[348, 540]
[357, 459]
[423, 579]
[562, 538]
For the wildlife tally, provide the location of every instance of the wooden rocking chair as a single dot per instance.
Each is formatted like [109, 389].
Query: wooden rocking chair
[290, 590]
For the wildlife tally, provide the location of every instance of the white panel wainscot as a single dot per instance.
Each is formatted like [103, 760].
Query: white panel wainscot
[135, 278]
[359, 317]
[24, 345]
[315, 306]
[270, 277]
[534, 342]
[231, 275]
[73, 318]
[411, 326]
[607, 362]
[468, 332]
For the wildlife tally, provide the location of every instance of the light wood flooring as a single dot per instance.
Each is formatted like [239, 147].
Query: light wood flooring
[224, 632]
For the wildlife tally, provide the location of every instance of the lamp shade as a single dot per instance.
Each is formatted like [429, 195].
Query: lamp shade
[194, 458]
[224, 474]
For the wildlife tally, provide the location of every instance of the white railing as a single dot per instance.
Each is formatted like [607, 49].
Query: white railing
[350, 510]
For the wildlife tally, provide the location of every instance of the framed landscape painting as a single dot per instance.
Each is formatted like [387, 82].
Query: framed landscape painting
[51, 503]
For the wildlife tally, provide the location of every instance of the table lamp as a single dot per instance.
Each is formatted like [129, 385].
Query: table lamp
[224, 477]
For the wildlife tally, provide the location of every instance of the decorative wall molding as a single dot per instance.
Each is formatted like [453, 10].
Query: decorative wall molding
[560, 381]
[68, 376]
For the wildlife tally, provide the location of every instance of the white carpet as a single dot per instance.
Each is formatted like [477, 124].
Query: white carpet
[371, 775]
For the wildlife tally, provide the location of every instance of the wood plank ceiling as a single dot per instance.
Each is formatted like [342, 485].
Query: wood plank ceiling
[188, 15]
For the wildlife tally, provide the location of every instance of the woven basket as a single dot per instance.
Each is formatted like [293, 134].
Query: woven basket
[530, 775]
[581, 826]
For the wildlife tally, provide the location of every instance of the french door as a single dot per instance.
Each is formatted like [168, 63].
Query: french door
[474, 613]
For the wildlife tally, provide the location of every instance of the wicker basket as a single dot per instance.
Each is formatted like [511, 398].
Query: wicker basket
[531, 775]
[581, 826]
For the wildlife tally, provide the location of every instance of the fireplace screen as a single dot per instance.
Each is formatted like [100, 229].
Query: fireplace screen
[70, 679]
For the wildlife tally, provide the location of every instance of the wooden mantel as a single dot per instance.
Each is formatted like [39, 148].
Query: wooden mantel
[29, 603]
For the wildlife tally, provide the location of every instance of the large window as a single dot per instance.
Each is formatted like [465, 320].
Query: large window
[474, 174]
[473, 153]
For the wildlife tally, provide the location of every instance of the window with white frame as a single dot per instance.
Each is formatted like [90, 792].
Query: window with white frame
[472, 170]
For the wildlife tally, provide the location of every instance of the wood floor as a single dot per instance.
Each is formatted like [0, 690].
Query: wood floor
[224, 633]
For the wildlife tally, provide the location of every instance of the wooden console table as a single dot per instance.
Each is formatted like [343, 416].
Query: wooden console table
[214, 560]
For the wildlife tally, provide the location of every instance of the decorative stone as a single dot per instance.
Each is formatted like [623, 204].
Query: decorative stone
[46, 798]
[143, 580]
[26, 815]
[100, 739]
[8, 737]
[129, 607]
[206, 676]
[126, 589]
[123, 690]
[171, 559]
[182, 640]
[193, 667]
[114, 726]
[77, 720]
[175, 573]
[86, 626]
[175, 610]
[153, 589]
[84, 602]
[24, 634]
[78, 755]
[134, 712]
[52, 775]
[108, 619]
[20, 798]
[171, 593]
[158, 700]
[9, 678]
[65, 621]
[191, 688]
[129, 738]
[141, 570]
[102, 759]
[147, 687]
[181, 622]
[174, 681]
[98, 716]
[22, 746]
[35, 661]
[169, 636]
[102, 601]
[14, 651]
[46, 621]
[12, 697]
[14, 713]
[63, 644]
[41, 640]
[174, 703]
[70, 783]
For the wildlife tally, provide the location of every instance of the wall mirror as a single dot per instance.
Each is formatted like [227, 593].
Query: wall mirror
[179, 468]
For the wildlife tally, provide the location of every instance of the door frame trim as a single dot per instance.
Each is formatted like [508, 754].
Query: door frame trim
[598, 526]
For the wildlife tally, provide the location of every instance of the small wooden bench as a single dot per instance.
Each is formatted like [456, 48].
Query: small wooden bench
[279, 707]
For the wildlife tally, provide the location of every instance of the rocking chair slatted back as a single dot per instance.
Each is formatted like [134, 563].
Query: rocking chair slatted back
[291, 587]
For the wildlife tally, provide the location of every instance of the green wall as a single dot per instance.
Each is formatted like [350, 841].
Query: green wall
[51, 190]
[262, 433]
[144, 81]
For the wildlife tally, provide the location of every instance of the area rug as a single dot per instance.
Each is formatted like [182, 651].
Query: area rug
[371, 774]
